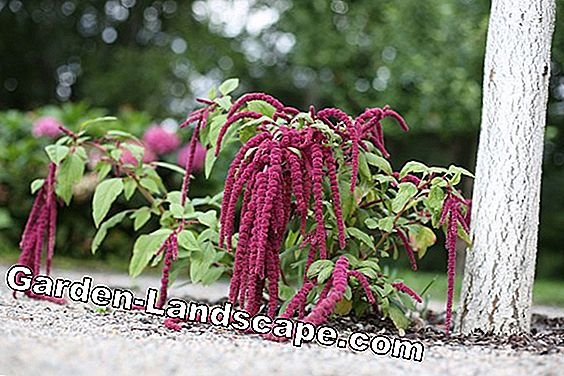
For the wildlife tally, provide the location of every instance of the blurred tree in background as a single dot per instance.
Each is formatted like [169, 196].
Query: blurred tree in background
[423, 58]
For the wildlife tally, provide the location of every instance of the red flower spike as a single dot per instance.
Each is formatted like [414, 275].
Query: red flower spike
[317, 177]
[365, 285]
[298, 300]
[402, 287]
[332, 170]
[326, 306]
[253, 97]
[39, 230]
[408, 248]
[230, 120]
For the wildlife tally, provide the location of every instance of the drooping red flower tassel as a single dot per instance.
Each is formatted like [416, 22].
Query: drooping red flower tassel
[402, 287]
[408, 249]
[451, 215]
[40, 231]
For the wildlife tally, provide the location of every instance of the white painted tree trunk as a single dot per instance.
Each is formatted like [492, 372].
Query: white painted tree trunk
[500, 267]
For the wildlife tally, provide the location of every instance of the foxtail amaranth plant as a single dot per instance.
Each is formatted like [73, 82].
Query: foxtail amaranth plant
[310, 209]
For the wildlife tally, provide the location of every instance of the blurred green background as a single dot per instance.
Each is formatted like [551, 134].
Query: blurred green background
[146, 61]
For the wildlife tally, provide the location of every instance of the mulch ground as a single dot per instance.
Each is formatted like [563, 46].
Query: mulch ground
[546, 336]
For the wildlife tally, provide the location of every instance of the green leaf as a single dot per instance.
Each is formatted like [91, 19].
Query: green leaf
[57, 153]
[413, 166]
[103, 168]
[224, 102]
[210, 160]
[369, 272]
[201, 263]
[380, 162]
[149, 184]
[405, 193]
[369, 264]
[360, 235]
[386, 224]
[228, 86]
[170, 166]
[70, 173]
[462, 234]
[129, 187]
[177, 210]
[324, 274]
[363, 168]
[208, 218]
[141, 216]
[246, 133]
[105, 194]
[439, 182]
[144, 248]
[212, 275]
[343, 307]
[421, 238]
[371, 223]
[435, 198]
[174, 197]
[398, 317]
[121, 135]
[116, 154]
[348, 293]
[97, 120]
[261, 107]
[452, 169]
[187, 240]
[214, 128]
[316, 267]
[36, 185]
[81, 153]
[103, 231]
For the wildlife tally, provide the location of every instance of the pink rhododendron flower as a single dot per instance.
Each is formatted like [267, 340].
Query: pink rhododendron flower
[199, 156]
[161, 140]
[46, 126]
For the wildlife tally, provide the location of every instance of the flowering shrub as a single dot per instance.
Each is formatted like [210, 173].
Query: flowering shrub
[46, 126]
[161, 140]
[310, 207]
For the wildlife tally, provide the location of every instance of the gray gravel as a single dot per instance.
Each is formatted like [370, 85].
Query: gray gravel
[43, 338]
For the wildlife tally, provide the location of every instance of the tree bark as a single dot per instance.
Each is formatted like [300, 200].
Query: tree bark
[500, 267]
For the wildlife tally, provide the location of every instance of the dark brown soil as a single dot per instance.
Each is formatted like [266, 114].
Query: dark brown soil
[546, 336]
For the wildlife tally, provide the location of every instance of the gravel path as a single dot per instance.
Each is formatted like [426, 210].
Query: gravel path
[43, 338]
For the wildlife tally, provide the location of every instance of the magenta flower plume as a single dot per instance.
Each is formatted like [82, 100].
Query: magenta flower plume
[40, 230]
[170, 246]
[326, 307]
[298, 301]
[402, 287]
[365, 285]
[170, 249]
[369, 126]
[282, 169]
[255, 97]
[47, 126]
[349, 133]
[233, 119]
[452, 216]
[408, 249]
[331, 167]
[161, 140]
